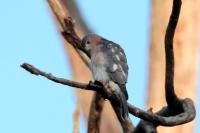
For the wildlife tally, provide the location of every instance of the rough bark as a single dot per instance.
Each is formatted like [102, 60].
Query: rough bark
[185, 49]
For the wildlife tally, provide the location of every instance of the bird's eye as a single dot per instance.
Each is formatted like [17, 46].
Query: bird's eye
[88, 42]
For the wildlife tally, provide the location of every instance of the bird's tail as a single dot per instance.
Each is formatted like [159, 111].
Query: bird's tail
[120, 104]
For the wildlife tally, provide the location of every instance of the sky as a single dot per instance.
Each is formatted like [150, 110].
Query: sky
[30, 104]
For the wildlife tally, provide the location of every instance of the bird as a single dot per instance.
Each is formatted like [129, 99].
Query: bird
[109, 67]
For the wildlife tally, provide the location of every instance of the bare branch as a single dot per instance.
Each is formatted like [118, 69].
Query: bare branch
[63, 81]
[95, 114]
[73, 8]
[160, 118]
[170, 95]
[67, 29]
[163, 117]
[91, 86]
[178, 111]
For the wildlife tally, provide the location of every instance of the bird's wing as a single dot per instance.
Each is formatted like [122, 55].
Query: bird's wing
[117, 66]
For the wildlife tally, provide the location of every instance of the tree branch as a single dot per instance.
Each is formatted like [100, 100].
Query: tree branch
[95, 113]
[36, 71]
[73, 8]
[67, 29]
[178, 111]
[160, 118]
[170, 95]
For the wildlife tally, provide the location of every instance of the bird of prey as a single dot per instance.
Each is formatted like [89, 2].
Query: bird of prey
[109, 67]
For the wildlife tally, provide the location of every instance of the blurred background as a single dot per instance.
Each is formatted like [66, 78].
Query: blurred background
[28, 33]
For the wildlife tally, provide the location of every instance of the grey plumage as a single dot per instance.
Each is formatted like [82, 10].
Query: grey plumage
[115, 56]
[109, 65]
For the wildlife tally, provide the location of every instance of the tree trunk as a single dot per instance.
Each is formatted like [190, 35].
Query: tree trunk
[185, 49]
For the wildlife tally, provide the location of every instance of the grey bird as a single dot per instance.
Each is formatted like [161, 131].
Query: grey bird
[109, 67]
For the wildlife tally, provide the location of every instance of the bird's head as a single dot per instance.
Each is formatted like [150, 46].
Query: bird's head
[90, 41]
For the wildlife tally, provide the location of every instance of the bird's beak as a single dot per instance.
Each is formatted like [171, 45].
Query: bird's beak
[86, 50]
